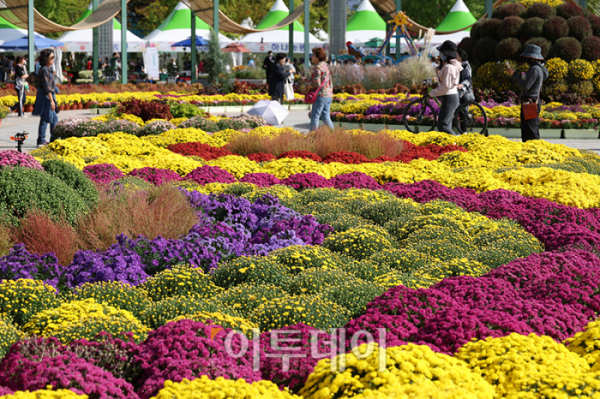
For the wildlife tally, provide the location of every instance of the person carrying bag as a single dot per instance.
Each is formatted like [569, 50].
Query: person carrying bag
[531, 88]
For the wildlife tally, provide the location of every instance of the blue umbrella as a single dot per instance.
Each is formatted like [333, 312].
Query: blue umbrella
[22, 43]
[188, 42]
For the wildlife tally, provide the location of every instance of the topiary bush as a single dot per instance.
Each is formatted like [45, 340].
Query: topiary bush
[579, 28]
[555, 28]
[508, 10]
[489, 28]
[583, 88]
[556, 88]
[594, 21]
[532, 27]
[557, 69]
[540, 10]
[484, 50]
[75, 179]
[580, 70]
[467, 44]
[590, 48]
[569, 10]
[476, 31]
[510, 27]
[22, 189]
[567, 48]
[543, 43]
[508, 49]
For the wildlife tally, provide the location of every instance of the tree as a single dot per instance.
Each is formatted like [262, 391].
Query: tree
[216, 60]
[430, 14]
[63, 12]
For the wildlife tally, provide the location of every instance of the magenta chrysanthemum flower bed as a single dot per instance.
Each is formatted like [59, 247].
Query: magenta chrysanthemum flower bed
[15, 158]
[103, 173]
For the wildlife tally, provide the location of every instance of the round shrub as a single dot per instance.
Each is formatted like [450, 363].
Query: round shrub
[180, 280]
[245, 298]
[567, 48]
[555, 28]
[155, 128]
[299, 258]
[595, 24]
[358, 243]
[353, 294]
[485, 50]
[75, 179]
[508, 49]
[584, 88]
[569, 10]
[160, 313]
[510, 27]
[489, 28]
[210, 174]
[596, 83]
[438, 271]
[9, 334]
[509, 10]
[404, 260]
[250, 270]
[543, 43]
[532, 27]
[366, 269]
[103, 173]
[22, 189]
[199, 122]
[556, 88]
[313, 281]
[384, 211]
[116, 294]
[154, 175]
[579, 28]
[475, 31]
[467, 44]
[313, 311]
[50, 322]
[33, 297]
[580, 70]
[16, 158]
[557, 69]
[590, 48]
[90, 329]
[221, 319]
[540, 10]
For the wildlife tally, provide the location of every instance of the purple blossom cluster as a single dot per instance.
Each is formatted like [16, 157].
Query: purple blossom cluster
[15, 158]
[155, 176]
[103, 173]
[553, 293]
[228, 227]
[210, 174]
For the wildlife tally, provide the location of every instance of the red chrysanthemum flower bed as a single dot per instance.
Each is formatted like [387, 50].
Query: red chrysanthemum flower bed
[261, 157]
[204, 151]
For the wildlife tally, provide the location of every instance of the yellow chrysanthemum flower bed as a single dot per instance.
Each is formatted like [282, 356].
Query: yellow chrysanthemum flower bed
[45, 394]
[401, 366]
[221, 319]
[205, 388]
[587, 345]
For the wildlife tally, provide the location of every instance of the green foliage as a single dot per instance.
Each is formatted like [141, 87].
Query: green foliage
[90, 327]
[384, 211]
[343, 221]
[313, 281]
[555, 28]
[244, 298]
[299, 258]
[159, 313]
[510, 27]
[533, 27]
[22, 189]
[289, 310]
[508, 49]
[353, 295]
[180, 280]
[436, 272]
[250, 270]
[541, 10]
[367, 270]
[358, 243]
[9, 334]
[184, 110]
[116, 294]
[75, 179]
[403, 260]
[215, 67]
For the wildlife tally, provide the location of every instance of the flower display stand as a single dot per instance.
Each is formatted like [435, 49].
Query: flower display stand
[94, 111]
[374, 127]
[551, 133]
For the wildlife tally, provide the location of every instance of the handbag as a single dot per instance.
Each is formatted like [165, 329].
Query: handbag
[311, 96]
[530, 109]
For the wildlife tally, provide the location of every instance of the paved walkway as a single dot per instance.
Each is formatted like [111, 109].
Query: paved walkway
[296, 119]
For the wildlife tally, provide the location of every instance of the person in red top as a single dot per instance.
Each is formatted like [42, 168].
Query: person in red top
[89, 64]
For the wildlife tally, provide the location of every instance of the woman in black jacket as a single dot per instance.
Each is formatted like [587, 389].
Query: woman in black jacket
[278, 77]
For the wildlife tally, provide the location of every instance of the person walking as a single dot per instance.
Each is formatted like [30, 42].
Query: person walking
[531, 88]
[278, 78]
[20, 76]
[321, 77]
[45, 104]
[288, 87]
[448, 75]
[465, 85]
[268, 65]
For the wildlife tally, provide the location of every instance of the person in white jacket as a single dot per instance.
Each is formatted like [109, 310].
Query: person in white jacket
[447, 90]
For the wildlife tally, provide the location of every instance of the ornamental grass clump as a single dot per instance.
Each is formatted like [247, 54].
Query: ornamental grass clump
[403, 365]
[22, 299]
[181, 280]
[311, 310]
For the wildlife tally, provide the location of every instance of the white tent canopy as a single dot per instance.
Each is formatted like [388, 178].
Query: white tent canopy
[177, 27]
[365, 24]
[459, 17]
[278, 40]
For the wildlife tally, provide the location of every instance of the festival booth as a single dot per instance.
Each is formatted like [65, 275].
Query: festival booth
[459, 17]
[278, 40]
[177, 27]
[9, 31]
[365, 25]
[82, 40]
